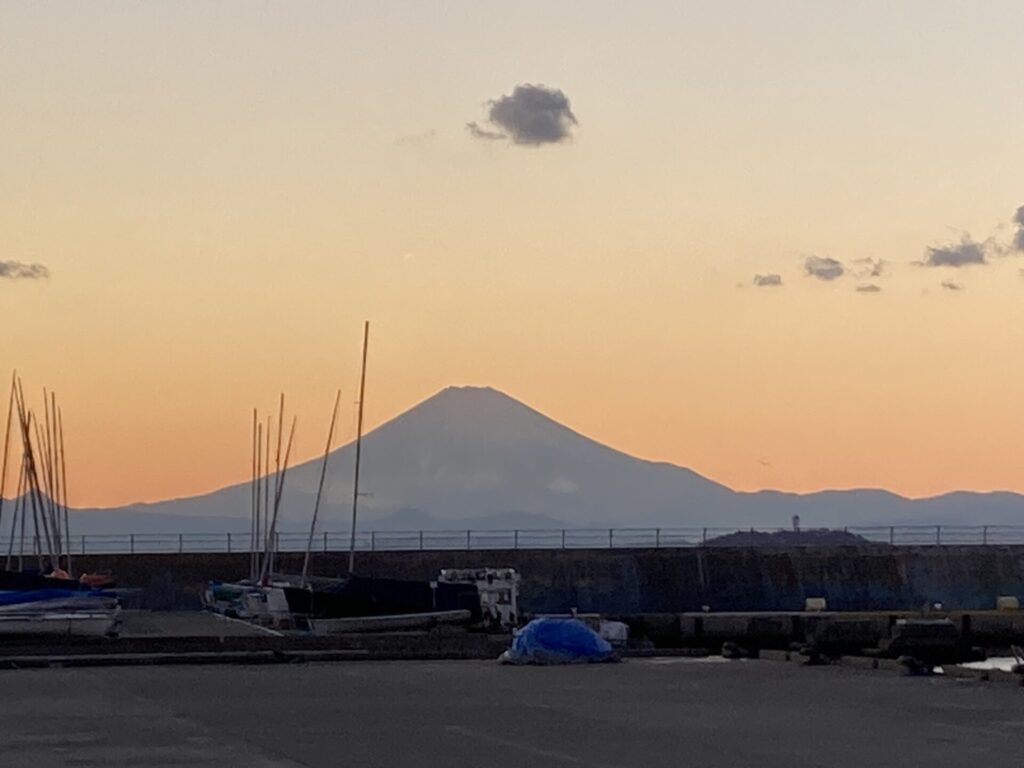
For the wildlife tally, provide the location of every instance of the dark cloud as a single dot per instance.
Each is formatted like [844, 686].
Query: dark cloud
[16, 270]
[869, 288]
[766, 281]
[951, 286]
[961, 254]
[823, 268]
[869, 268]
[1018, 219]
[531, 115]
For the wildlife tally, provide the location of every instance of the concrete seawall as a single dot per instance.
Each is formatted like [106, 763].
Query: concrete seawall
[645, 580]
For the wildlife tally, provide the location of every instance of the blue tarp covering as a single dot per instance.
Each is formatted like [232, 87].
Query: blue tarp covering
[16, 597]
[557, 641]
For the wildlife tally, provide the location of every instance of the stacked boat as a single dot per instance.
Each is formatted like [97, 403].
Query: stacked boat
[50, 608]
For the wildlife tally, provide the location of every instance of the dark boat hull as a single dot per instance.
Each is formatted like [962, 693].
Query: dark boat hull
[359, 596]
[18, 581]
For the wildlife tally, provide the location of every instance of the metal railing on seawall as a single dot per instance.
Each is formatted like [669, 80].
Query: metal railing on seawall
[568, 538]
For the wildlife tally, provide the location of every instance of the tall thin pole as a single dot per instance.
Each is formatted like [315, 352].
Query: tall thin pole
[64, 491]
[277, 483]
[320, 487]
[7, 443]
[278, 491]
[38, 510]
[253, 505]
[44, 509]
[266, 493]
[24, 512]
[46, 447]
[359, 450]
[52, 460]
[14, 518]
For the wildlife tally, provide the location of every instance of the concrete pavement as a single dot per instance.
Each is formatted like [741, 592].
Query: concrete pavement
[650, 713]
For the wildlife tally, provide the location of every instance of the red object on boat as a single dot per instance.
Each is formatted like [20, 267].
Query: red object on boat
[97, 580]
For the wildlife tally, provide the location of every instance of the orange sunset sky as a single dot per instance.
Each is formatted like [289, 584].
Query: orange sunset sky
[222, 193]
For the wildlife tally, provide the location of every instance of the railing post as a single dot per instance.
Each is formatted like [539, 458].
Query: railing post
[515, 539]
[83, 543]
[131, 543]
[704, 536]
[468, 541]
[563, 538]
[892, 535]
[373, 541]
[229, 542]
[611, 538]
[657, 538]
[984, 535]
[325, 541]
[181, 543]
[421, 541]
[938, 534]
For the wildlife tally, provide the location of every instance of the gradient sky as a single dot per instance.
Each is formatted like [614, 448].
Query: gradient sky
[222, 192]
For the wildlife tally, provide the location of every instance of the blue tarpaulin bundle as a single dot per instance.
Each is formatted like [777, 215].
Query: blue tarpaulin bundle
[557, 641]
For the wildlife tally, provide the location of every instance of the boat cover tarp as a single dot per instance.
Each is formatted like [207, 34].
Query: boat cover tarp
[557, 641]
[17, 597]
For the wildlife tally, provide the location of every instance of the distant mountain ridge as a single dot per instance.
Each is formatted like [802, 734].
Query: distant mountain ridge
[475, 457]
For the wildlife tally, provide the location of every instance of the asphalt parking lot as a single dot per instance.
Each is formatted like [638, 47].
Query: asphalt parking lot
[650, 713]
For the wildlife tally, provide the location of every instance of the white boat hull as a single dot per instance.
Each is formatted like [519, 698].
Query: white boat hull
[59, 625]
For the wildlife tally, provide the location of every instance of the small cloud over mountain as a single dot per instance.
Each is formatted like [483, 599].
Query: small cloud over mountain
[17, 270]
[767, 281]
[823, 267]
[869, 288]
[532, 115]
[951, 286]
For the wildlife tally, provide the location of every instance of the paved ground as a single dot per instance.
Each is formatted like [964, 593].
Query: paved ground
[185, 624]
[647, 713]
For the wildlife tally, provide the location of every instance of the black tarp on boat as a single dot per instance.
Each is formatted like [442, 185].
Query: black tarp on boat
[362, 596]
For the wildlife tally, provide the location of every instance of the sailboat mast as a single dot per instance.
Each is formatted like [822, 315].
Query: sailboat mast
[320, 488]
[7, 443]
[359, 447]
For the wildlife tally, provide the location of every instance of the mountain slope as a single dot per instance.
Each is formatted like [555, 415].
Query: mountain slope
[474, 457]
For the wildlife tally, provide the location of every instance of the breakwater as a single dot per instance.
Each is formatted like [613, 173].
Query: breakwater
[632, 581]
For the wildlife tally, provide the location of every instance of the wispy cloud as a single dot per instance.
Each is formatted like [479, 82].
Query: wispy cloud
[869, 268]
[1018, 219]
[868, 288]
[477, 132]
[949, 285]
[532, 115]
[767, 281]
[17, 270]
[823, 267]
